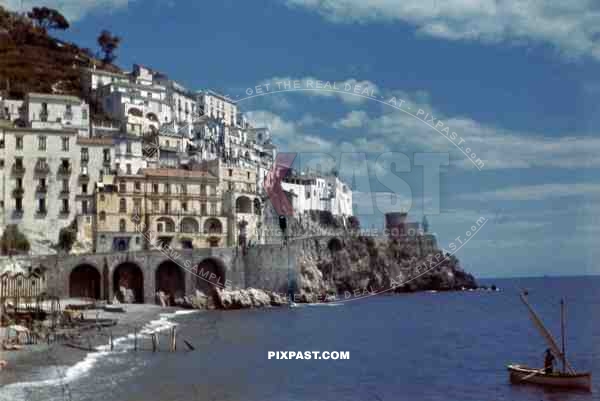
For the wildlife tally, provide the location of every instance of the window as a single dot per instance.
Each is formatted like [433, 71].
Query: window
[167, 207]
[84, 188]
[155, 188]
[65, 206]
[84, 207]
[41, 142]
[128, 148]
[138, 186]
[19, 143]
[137, 240]
[122, 186]
[106, 153]
[41, 205]
[213, 209]
[122, 225]
[65, 143]
[123, 205]
[1, 163]
[155, 206]
[137, 206]
[44, 112]
[248, 175]
[19, 204]
[183, 189]
[231, 172]
[159, 227]
[203, 209]
[128, 167]
[102, 216]
[167, 188]
[84, 114]
[117, 167]
[184, 206]
[85, 156]
[65, 185]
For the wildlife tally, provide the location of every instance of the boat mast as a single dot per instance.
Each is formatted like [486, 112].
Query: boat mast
[562, 334]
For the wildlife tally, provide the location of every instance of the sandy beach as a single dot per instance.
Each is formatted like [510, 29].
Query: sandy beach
[27, 364]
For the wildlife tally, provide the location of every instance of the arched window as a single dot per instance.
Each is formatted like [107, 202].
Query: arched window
[122, 225]
[123, 205]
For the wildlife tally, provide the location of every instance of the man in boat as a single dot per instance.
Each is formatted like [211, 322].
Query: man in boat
[548, 362]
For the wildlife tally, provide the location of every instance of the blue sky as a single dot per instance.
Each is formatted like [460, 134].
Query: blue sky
[517, 80]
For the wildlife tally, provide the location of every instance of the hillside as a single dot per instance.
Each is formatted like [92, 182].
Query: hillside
[33, 61]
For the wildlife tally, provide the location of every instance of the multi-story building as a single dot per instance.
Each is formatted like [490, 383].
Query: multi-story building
[215, 105]
[319, 192]
[56, 112]
[39, 169]
[163, 206]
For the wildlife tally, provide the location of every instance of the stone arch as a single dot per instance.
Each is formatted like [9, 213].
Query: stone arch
[213, 226]
[334, 245]
[130, 277]
[168, 225]
[170, 279]
[210, 274]
[243, 204]
[85, 282]
[189, 225]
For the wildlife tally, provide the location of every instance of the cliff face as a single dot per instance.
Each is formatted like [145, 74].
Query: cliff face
[360, 265]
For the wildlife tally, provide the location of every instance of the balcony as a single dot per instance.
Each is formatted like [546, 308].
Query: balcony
[106, 162]
[44, 116]
[65, 192]
[64, 170]
[41, 189]
[84, 177]
[41, 168]
[18, 192]
[18, 170]
[65, 211]
[41, 212]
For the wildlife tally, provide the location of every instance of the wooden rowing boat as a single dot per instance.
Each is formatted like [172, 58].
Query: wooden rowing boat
[567, 377]
[520, 374]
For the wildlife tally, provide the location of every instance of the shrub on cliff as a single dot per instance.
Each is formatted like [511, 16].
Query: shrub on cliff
[13, 241]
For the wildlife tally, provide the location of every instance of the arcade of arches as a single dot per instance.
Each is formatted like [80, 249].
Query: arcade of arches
[170, 280]
[84, 282]
[128, 283]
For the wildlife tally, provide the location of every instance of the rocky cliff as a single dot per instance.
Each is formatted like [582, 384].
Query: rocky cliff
[342, 268]
[364, 265]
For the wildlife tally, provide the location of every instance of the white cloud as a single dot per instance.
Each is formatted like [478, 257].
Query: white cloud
[354, 119]
[73, 10]
[536, 192]
[572, 27]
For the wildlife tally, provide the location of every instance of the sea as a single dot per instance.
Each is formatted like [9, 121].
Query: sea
[420, 346]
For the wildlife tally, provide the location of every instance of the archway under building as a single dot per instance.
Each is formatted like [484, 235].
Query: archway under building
[210, 275]
[85, 282]
[128, 283]
[243, 204]
[334, 245]
[170, 279]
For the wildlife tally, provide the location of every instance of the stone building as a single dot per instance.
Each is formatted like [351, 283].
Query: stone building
[161, 206]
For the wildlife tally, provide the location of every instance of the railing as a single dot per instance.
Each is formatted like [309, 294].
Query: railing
[18, 170]
[65, 211]
[65, 192]
[42, 212]
[64, 170]
[18, 192]
[42, 169]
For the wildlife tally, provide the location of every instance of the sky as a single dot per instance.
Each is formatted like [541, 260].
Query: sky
[516, 80]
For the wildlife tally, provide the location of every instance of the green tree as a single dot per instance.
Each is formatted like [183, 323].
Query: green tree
[13, 241]
[48, 18]
[108, 44]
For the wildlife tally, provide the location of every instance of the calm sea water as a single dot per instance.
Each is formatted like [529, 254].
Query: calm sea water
[427, 346]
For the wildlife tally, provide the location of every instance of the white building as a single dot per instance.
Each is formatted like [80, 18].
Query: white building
[10, 109]
[56, 112]
[313, 192]
[217, 106]
[42, 180]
